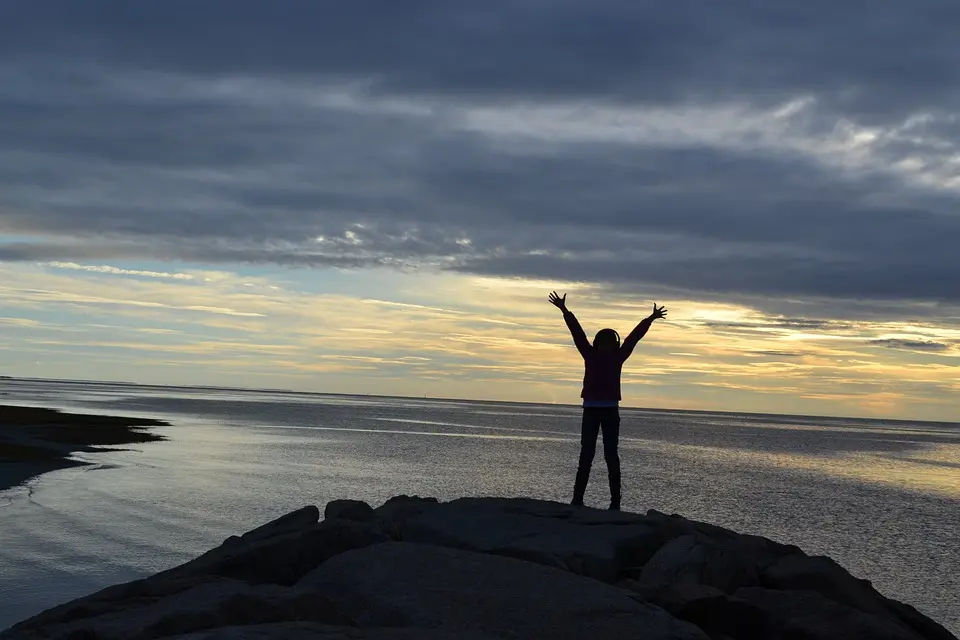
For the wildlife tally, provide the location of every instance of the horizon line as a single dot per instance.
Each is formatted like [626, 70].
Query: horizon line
[453, 399]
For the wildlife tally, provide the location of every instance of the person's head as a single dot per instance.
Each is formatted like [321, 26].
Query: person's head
[606, 340]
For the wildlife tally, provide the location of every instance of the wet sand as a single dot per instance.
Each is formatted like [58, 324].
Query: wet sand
[34, 441]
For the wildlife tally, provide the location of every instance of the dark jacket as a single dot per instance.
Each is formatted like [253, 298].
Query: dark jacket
[601, 378]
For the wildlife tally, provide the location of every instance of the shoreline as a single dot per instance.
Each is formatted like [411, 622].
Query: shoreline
[34, 441]
[15, 474]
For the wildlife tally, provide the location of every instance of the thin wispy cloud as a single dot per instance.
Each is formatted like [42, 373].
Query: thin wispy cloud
[914, 345]
[118, 271]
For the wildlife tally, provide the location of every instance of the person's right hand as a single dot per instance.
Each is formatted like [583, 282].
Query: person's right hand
[557, 301]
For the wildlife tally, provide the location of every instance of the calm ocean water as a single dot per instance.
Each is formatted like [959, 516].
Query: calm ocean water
[881, 497]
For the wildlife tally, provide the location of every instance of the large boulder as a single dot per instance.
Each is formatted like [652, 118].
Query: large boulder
[812, 616]
[680, 561]
[717, 613]
[598, 544]
[740, 561]
[316, 631]
[213, 603]
[281, 559]
[109, 600]
[824, 576]
[398, 509]
[280, 553]
[727, 563]
[908, 615]
[292, 522]
[355, 510]
[414, 585]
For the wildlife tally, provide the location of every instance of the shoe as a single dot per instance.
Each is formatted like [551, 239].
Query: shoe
[577, 502]
[614, 506]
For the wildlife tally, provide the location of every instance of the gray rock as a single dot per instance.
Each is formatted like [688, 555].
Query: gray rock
[826, 577]
[279, 552]
[730, 585]
[740, 561]
[579, 552]
[314, 631]
[717, 613]
[727, 563]
[598, 544]
[812, 616]
[920, 623]
[294, 521]
[111, 599]
[548, 510]
[211, 604]
[397, 507]
[350, 510]
[395, 511]
[463, 527]
[280, 559]
[403, 584]
[680, 561]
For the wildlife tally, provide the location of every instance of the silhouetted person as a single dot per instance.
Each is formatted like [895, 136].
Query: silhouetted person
[603, 361]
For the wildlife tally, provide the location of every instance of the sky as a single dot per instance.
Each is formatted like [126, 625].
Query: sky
[377, 196]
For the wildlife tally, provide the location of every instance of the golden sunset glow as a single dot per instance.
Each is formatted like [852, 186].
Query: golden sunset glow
[447, 335]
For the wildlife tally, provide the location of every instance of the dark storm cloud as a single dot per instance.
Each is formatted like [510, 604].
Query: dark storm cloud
[385, 133]
[852, 52]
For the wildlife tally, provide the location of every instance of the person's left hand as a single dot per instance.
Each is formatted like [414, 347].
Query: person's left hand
[658, 313]
[557, 301]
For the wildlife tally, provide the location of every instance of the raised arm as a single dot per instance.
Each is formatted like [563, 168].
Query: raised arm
[640, 330]
[579, 337]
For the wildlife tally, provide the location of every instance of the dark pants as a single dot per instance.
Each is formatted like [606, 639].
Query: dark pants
[595, 421]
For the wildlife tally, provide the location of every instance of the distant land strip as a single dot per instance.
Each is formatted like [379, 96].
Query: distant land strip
[35, 440]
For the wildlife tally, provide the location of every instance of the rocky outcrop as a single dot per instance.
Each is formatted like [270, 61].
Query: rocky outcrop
[489, 568]
[278, 553]
[460, 590]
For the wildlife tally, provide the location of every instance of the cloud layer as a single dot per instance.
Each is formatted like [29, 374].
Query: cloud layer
[809, 151]
[457, 336]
